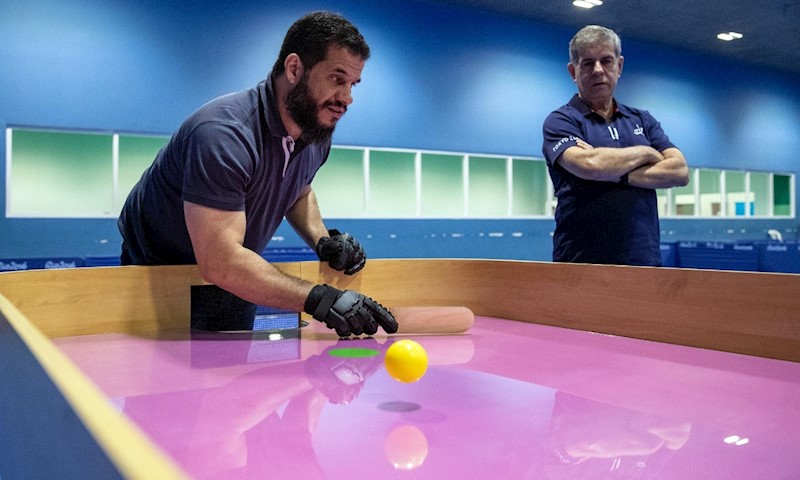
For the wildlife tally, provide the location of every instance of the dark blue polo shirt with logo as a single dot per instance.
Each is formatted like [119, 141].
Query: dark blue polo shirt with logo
[231, 154]
[602, 222]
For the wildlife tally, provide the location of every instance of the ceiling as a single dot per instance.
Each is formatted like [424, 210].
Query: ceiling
[771, 28]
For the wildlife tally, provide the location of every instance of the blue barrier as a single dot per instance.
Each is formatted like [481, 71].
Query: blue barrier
[289, 254]
[718, 256]
[103, 261]
[14, 264]
[669, 254]
[779, 257]
[750, 256]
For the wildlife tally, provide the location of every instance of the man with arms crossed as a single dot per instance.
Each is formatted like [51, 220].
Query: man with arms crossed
[606, 160]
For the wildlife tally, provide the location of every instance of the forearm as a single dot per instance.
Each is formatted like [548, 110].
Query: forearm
[247, 275]
[305, 218]
[607, 164]
[670, 172]
[218, 243]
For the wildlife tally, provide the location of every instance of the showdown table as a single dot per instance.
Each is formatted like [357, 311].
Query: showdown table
[548, 383]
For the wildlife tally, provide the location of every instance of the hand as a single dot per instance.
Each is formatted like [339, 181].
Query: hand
[348, 312]
[342, 252]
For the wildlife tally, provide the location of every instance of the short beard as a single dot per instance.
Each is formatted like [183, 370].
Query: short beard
[302, 107]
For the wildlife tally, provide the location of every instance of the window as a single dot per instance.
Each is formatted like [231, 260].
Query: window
[710, 193]
[79, 174]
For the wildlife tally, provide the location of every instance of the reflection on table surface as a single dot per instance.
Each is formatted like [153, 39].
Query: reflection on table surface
[506, 400]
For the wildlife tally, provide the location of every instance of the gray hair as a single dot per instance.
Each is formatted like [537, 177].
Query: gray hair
[593, 35]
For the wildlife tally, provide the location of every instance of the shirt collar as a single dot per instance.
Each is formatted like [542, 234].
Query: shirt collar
[584, 109]
[274, 122]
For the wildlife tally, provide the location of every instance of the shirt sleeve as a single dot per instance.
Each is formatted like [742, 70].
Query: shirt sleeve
[219, 163]
[658, 138]
[560, 132]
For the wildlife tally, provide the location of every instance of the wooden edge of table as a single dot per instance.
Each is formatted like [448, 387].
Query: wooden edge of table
[750, 313]
[741, 312]
[126, 446]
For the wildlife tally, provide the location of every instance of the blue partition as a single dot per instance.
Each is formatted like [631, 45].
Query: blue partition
[779, 257]
[669, 254]
[289, 254]
[106, 261]
[13, 264]
[718, 255]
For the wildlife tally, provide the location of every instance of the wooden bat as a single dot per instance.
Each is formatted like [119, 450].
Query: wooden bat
[435, 320]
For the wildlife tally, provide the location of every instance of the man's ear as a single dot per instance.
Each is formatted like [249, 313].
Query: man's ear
[571, 69]
[293, 67]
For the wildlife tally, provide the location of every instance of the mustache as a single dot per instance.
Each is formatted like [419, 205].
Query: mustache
[334, 103]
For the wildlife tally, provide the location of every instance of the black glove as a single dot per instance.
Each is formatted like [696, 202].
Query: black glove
[342, 252]
[348, 312]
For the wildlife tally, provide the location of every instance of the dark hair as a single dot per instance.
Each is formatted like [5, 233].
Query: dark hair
[310, 36]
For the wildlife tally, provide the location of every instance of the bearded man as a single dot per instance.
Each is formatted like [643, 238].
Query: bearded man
[216, 193]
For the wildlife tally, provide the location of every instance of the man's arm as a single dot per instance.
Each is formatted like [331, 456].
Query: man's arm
[606, 164]
[672, 171]
[217, 239]
[305, 218]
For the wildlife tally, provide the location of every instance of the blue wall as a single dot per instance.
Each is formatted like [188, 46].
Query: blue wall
[441, 78]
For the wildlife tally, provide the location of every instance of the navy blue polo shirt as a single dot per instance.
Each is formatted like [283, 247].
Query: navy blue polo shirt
[602, 222]
[231, 154]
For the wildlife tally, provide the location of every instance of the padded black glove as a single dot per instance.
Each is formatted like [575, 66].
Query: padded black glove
[342, 252]
[348, 312]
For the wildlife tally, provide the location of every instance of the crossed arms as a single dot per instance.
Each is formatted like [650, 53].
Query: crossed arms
[646, 167]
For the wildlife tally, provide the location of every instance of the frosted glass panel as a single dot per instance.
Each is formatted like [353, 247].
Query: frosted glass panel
[488, 188]
[59, 174]
[136, 153]
[529, 187]
[781, 186]
[392, 188]
[442, 186]
[759, 186]
[339, 184]
[710, 193]
[736, 195]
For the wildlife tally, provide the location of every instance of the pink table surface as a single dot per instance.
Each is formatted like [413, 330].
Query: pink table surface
[507, 400]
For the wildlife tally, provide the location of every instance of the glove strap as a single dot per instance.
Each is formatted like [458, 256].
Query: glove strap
[320, 301]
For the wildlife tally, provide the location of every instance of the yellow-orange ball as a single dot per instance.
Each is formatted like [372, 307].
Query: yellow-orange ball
[406, 361]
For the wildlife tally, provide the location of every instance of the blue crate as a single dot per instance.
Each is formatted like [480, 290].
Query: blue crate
[779, 257]
[718, 255]
[105, 261]
[669, 254]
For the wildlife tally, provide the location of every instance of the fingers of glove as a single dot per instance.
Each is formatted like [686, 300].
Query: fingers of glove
[357, 267]
[381, 315]
[342, 252]
[334, 321]
[349, 307]
[352, 257]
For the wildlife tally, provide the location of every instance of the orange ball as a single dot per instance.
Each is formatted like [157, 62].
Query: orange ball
[406, 361]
